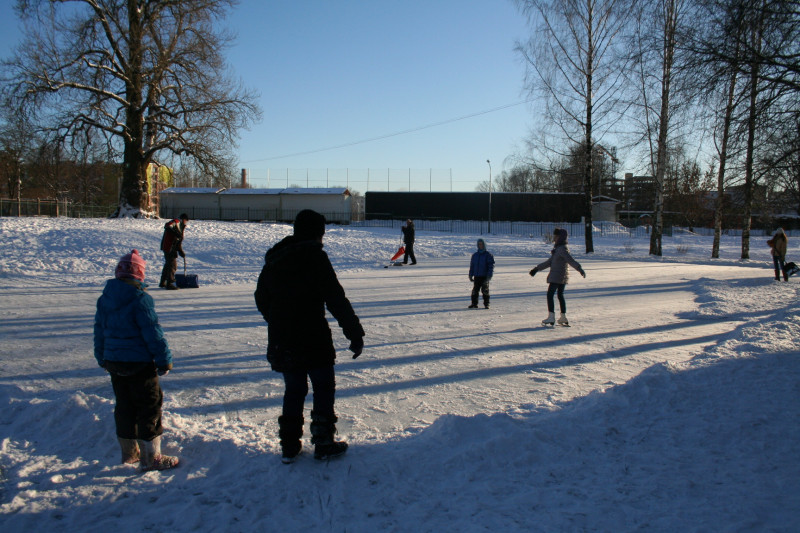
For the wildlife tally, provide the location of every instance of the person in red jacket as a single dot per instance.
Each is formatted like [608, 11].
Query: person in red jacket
[172, 246]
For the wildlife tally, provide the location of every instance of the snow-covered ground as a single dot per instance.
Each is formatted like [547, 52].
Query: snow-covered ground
[671, 404]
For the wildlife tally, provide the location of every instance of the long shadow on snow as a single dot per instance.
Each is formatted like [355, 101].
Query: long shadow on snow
[612, 445]
[456, 377]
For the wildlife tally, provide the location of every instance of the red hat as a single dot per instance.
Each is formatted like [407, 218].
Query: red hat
[131, 266]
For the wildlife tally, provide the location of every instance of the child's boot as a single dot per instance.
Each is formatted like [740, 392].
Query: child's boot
[151, 457]
[550, 320]
[562, 320]
[130, 451]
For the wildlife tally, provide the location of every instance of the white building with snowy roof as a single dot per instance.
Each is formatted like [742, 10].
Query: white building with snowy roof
[209, 203]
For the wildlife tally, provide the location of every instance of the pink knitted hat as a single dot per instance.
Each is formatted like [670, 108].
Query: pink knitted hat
[131, 266]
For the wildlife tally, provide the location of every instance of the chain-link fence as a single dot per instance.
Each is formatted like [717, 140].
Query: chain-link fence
[53, 208]
[64, 208]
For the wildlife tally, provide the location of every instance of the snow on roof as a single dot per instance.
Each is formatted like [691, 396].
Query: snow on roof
[192, 190]
[222, 190]
[604, 199]
[338, 190]
[252, 191]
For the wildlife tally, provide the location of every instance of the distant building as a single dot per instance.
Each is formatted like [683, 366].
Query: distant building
[639, 192]
[605, 209]
[504, 206]
[210, 203]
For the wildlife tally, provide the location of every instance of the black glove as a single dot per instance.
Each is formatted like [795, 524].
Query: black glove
[583, 273]
[182, 253]
[470, 278]
[357, 346]
[164, 370]
[533, 272]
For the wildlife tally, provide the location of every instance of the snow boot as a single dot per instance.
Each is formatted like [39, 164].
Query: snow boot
[152, 459]
[130, 450]
[290, 429]
[473, 306]
[785, 276]
[486, 302]
[323, 428]
[777, 275]
[171, 286]
[562, 320]
[550, 320]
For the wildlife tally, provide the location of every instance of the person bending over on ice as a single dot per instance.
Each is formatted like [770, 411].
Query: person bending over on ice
[559, 259]
[294, 287]
[129, 343]
[481, 268]
[778, 244]
[172, 246]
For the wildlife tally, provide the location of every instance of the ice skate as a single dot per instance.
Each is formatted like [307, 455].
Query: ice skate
[562, 320]
[550, 320]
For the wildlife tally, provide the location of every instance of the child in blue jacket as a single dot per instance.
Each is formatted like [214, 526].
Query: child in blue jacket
[129, 343]
[481, 269]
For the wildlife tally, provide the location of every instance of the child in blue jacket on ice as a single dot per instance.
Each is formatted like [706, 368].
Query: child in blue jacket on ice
[481, 269]
[129, 343]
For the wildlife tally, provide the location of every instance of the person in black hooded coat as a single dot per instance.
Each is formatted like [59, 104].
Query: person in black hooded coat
[296, 284]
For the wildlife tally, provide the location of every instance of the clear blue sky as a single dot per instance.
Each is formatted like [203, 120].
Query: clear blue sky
[335, 73]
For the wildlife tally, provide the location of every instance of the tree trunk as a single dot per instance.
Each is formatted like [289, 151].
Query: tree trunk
[670, 28]
[723, 159]
[748, 167]
[133, 192]
[752, 115]
[587, 179]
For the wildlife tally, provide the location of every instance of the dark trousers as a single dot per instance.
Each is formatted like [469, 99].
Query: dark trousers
[551, 291]
[324, 383]
[779, 264]
[170, 267]
[480, 283]
[409, 253]
[137, 412]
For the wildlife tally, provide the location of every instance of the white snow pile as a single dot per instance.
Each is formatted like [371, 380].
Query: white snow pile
[672, 403]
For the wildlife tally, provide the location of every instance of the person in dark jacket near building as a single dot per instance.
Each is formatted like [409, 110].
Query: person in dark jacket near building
[129, 343]
[295, 286]
[408, 240]
[481, 269]
[558, 262]
[172, 246]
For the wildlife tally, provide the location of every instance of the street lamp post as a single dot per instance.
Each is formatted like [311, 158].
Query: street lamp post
[490, 195]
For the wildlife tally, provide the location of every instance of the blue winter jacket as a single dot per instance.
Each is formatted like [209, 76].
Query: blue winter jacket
[126, 326]
[482, 263]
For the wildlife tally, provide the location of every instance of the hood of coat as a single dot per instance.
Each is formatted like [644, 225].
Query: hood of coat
[481, 244]
[289, 246]
[560, 236]
[120, 292]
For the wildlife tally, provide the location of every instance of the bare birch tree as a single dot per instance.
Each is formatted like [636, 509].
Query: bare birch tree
[658, 73]
[573, 60]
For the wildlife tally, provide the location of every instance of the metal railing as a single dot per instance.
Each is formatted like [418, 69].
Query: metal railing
[64, 208]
